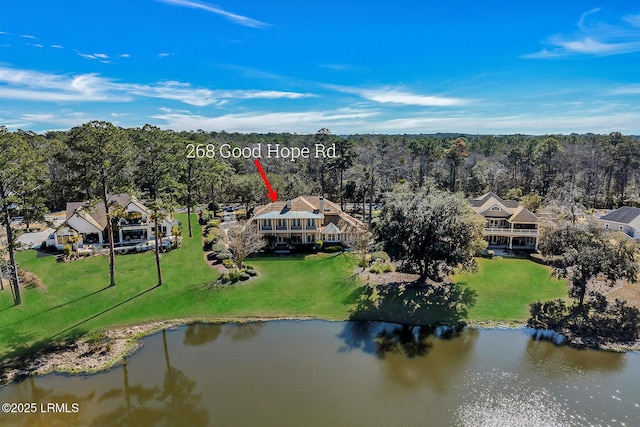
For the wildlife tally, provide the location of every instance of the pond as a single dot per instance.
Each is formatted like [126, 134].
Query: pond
[316, 373]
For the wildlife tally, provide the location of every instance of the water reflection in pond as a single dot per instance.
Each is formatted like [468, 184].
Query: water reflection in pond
[343, 373]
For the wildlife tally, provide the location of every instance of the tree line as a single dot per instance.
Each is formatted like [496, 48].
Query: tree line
[42, 172]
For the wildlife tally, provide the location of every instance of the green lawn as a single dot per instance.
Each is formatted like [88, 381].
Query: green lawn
[505, 287]
[77, 300]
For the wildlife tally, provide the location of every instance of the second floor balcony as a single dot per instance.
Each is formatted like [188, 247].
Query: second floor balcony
[506, 231]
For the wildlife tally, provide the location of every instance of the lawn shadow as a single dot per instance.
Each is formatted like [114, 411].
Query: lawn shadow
[44, 254]
[413, 303]
[57, 306]
[415, 312]
[70, 328]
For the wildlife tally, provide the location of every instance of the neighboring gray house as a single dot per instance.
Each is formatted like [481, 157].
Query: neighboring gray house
[625, 219]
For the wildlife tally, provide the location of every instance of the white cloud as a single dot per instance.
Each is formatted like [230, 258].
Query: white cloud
[164, 54]
[634, 20]
[57, 46]
[238, 19]
[94, 56]
[590, 46]
[27, 36]
[125, 55]
[388, 95]
[36, 86]
[60, 120]
[301, 122]
[597, 39]
[579, 122]
[633, 89]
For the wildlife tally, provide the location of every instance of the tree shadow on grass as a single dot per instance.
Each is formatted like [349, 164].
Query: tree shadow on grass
[21, 355]
[417, 311]
[57, 306]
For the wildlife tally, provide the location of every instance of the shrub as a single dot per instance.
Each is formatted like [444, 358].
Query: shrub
[381, 267]
[318, 245]
[244, 276]
[228, 263]
[223, 255]
[251, 272]
[67, 249]
[219, 247]
[213, 223]
[204, 218]
[213, 236]
[176, 230]
[380, 256]
[333, 249]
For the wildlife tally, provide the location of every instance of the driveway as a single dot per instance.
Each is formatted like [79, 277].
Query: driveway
[33, 240]
[228, 221]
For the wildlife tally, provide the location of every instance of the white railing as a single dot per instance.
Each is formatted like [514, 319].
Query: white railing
[505, 231]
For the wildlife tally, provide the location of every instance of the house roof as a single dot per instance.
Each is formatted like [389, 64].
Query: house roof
[96, 215]
[513, 211]
[309, 207]
[331, 228]
[523, 215]
[299, 204]
[478, 202]
[623, 215]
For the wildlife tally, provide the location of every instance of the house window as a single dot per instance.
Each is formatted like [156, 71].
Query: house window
[282, 222]
[309, 238]
[63, 239]
[266, 223]
[296, 222]
[311, 222]
[495, 208]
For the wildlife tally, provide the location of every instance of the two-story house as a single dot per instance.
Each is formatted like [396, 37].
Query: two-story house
[508, 223]
[305, 220]
[90, 223]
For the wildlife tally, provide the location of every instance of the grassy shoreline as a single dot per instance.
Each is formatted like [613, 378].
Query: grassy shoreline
[76, 306]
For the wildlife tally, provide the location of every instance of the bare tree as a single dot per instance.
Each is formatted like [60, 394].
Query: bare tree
[360, 241]
[244, 240]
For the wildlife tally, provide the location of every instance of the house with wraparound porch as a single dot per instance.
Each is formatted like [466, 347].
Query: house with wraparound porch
[305, 220]
[508, 224]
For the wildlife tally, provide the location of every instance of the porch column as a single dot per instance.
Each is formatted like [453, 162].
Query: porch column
[510, 242]
[120, 234]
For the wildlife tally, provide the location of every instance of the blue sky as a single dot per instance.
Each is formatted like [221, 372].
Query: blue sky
[353, 67]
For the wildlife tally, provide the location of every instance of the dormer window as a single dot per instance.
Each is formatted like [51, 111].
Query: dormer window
[495, 208]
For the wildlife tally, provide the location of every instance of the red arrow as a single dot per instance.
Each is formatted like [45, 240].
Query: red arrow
[273, 195]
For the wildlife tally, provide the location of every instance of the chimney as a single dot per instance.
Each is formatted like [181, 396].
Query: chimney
[289, 203]
[321, 205]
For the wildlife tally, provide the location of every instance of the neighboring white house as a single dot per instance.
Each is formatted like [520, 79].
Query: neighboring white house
[90, 222]
[508, 223]
[304, 220]
[625, 219]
